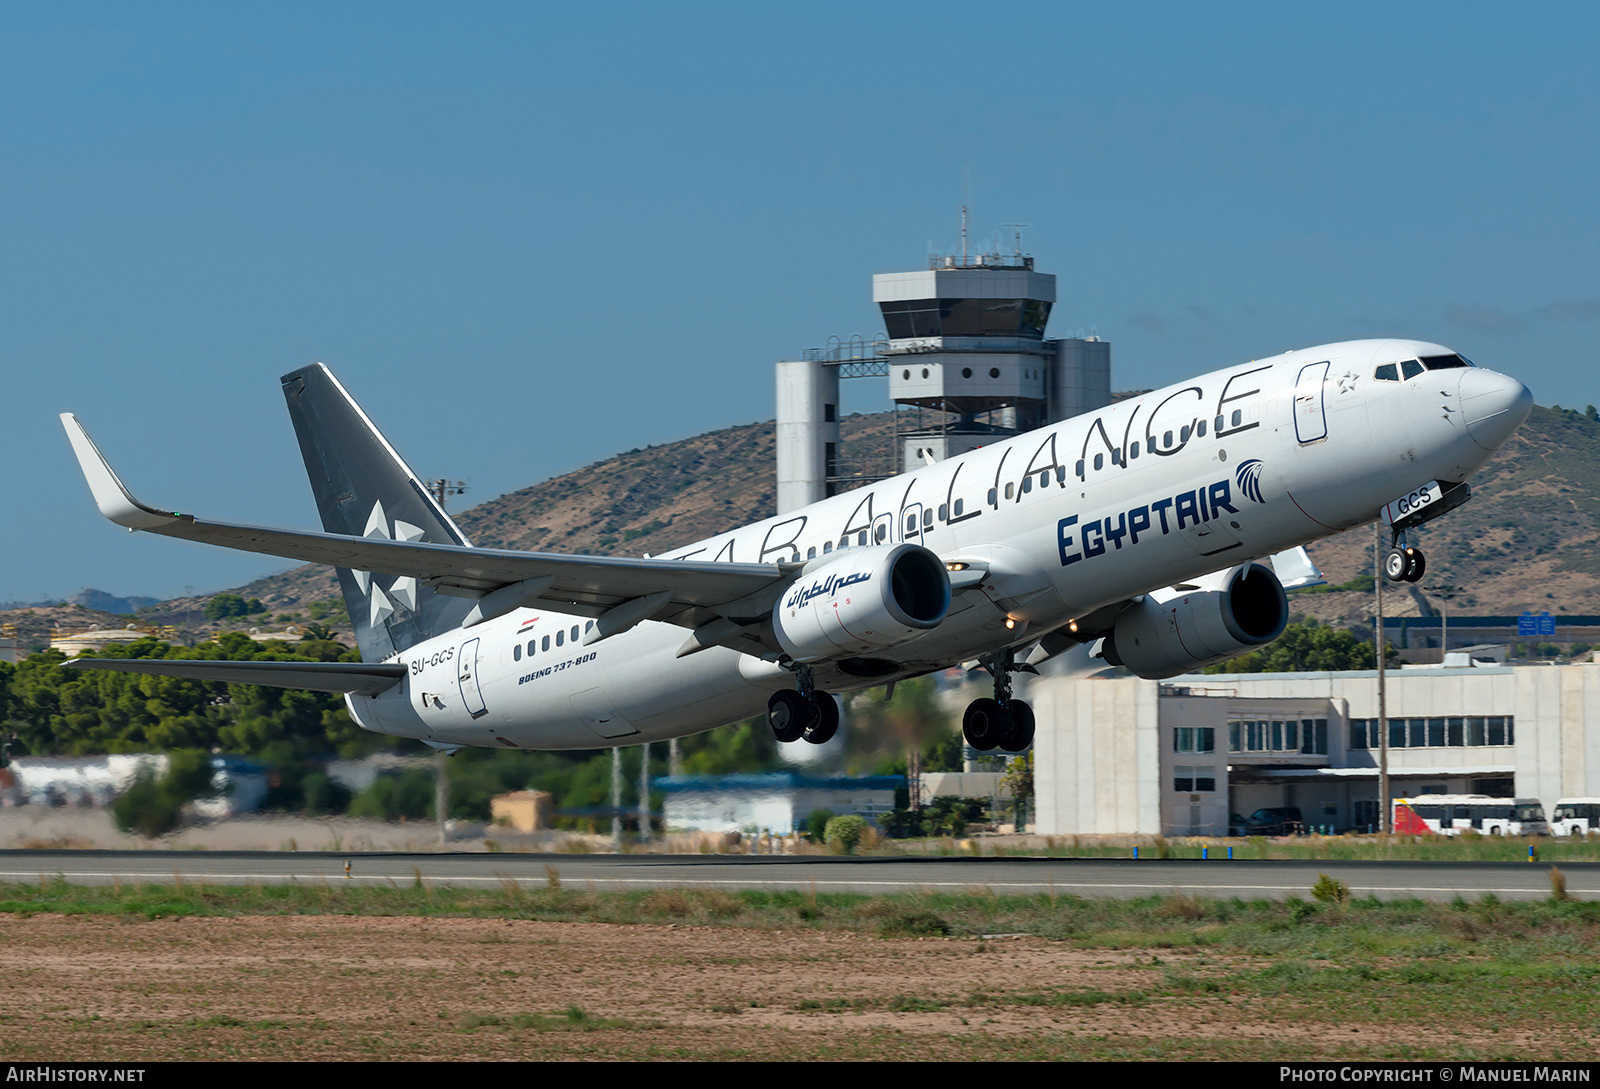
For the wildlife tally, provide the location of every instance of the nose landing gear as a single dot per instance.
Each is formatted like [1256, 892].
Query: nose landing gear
[1403, 563]
[1001, 722]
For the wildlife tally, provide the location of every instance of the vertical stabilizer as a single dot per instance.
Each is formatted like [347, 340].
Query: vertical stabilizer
[364, 489]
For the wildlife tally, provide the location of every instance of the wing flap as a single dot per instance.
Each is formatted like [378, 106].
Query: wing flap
[363, 678]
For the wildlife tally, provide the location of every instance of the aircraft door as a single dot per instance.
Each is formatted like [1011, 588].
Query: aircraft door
[1310, 418]
[467, 678]
[911, 522]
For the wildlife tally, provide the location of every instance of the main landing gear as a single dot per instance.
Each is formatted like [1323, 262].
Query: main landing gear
[1402, 563]
[1002, 721]
[806, 714]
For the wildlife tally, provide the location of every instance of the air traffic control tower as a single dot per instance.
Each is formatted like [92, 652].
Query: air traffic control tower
[967, 362]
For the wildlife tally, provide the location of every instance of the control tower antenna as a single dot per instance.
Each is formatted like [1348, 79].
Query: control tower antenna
[966, 199]
[1017, 228]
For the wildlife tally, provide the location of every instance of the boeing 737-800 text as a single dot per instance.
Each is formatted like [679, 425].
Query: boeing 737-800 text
[1141, 527]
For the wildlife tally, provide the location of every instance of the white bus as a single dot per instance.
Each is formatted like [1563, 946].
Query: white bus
[1453, 814]
[1576, 817]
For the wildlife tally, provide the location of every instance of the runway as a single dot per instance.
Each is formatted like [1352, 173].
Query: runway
[1117, 878]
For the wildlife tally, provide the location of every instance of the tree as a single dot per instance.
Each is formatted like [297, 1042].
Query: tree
[1309, 646]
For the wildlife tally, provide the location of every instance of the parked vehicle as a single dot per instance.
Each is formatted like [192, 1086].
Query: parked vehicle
[1576, 817]
[1269, 822]
[1453, 814]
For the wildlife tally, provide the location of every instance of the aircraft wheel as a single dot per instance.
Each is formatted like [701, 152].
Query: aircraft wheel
[1019, 733]
[1419, 564]
[984, 724]
[1396, 565]
[788, 715]
[826, 723]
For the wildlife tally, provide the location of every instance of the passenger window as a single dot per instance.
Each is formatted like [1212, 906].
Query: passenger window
[516, 653]
[883, 531]
[1133, 452]
[1389, 372]
[1238, 418]
[1011, 490]
[1166, 440]
[575, 634]
[911, 527]
[587, 627]
[811, 554]
[1183, 436]
[561, 634]
[1411, 368]
[1044, 479]
[1027, 486]
[861, 538]
[532, 646]
[927, 521]
[545, 644]
[944, 513]
[1061, 475]
[827, 547]
[1200, 429]
[1217, 423]
[1116, 457]
[1100, 463]
[994, 497]
[960, 503]
[1078, 469]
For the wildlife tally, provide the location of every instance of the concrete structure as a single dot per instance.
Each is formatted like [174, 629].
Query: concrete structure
[965, 348]
[1182, 757]
[808, 432]
[523, 810]
[776, 803]
[74, 643]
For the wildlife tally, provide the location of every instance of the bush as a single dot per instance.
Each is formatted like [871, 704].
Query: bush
[817, 825]
[845, 832]
[153, 807]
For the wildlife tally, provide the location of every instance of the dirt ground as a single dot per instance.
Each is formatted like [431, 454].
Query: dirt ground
[361, 988]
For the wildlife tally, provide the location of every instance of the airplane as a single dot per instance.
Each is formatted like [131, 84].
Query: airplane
[1158, 530]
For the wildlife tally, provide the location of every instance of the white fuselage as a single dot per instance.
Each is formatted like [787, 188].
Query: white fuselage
[1150, 491]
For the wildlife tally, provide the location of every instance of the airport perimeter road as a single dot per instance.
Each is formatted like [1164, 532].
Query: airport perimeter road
[1121, 878]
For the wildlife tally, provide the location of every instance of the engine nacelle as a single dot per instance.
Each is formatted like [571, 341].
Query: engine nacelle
[860, 600]
[1180, 629]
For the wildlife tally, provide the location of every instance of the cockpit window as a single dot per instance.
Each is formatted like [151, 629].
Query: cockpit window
[1389, 372]
[1411, 368]
[1441, 362]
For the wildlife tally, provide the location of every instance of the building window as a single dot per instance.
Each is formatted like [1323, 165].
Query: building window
[1194, 739]
[1193, 780]
[1466, 731]
[1284, 736]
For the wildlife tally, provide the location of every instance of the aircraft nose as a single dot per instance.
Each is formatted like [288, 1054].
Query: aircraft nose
[1494, 406]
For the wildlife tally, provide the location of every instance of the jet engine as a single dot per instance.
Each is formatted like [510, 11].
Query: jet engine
[860, 600]
[1179, 629]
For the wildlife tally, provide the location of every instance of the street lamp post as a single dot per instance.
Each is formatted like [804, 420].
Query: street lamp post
[1447, 594]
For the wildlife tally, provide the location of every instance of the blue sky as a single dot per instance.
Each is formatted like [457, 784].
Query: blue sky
[529, 236]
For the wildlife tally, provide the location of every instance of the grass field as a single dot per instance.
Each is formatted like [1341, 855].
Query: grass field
[418, 972]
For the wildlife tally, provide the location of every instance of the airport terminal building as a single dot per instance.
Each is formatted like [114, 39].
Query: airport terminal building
[1183, 756]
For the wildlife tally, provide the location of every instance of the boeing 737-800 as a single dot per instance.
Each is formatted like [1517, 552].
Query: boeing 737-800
[1140, 528]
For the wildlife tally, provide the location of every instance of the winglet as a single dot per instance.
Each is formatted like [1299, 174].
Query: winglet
[110, 496]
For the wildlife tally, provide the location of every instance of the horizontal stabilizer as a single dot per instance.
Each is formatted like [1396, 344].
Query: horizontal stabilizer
[363, 678]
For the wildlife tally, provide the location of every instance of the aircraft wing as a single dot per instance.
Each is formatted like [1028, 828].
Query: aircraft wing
[690, 593]
[365, 678]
